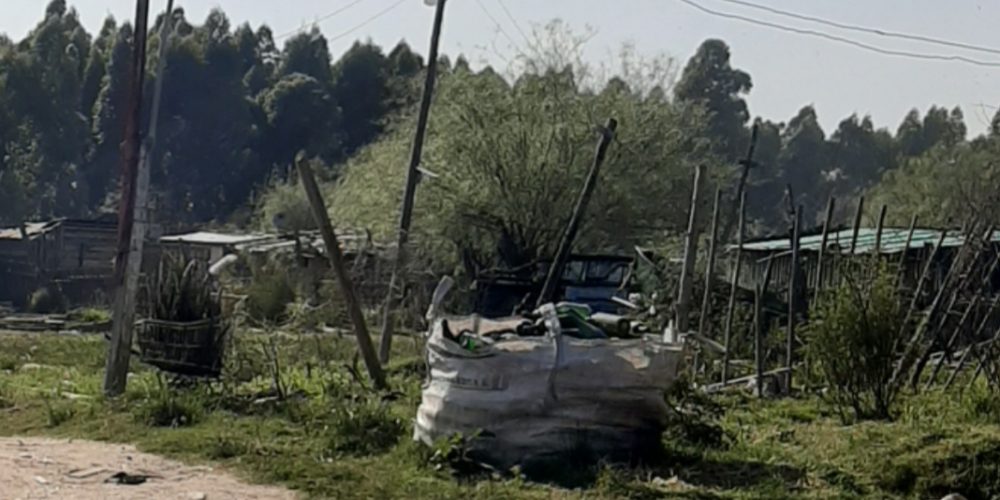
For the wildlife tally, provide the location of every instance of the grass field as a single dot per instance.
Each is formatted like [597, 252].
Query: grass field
[289, 411]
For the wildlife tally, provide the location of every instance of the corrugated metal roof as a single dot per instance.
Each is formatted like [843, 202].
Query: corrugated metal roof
[210, 238]
[893, 240]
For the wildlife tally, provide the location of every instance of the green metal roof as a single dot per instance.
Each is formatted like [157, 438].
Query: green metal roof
[893, 240]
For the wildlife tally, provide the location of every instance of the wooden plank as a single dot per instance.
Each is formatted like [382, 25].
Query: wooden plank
[857, 224]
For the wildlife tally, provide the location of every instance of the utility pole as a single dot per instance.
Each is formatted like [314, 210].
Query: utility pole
[409, 192]
[120, 349]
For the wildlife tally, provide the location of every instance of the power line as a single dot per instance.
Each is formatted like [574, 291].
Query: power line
[499, 27]
[835, 38]
[517, 25]
[865, 29]
[317, 21]
[367, 21]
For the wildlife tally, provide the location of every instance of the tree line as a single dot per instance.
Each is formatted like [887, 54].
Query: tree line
[507, 147]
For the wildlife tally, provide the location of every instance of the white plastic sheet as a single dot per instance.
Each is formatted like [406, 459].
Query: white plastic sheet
[534, 398]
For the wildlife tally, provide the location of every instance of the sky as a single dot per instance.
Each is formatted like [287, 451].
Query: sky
[789, 70]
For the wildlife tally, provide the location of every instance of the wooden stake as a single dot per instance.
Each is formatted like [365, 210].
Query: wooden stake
[822, 248]
[793, 297]
[737, 268]
[905, 252]
[760, 327]
[857, 224]
[396, 282]
[747, 163]
[958, 332]
[878, 230]
[706, 300]
[336, 257]
[120, 348]
[690, 254]
[566, 244]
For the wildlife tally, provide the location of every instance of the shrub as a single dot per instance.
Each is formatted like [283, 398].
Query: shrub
[695, 417]
[269, 294]
[46, 301]
[852, 341]
[367, 427]
[167, 408]
[182, 291]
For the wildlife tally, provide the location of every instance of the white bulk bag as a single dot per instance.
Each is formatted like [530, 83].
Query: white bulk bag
[533, 398]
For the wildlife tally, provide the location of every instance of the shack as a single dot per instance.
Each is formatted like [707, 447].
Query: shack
[74, 256]
[210, 246]
[891, 247]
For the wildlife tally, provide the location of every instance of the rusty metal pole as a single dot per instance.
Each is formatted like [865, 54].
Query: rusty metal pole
[410, 189]
[566, 244]
[120, 348]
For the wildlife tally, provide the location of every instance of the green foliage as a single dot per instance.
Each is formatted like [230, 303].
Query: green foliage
[166, 407]
[269, 294]
[183, 291]
[285, 201]
[851, 341]
[47, 300]
[695, 418]
[92, 315]
[510, 159]
[365, 427]
[58, 413]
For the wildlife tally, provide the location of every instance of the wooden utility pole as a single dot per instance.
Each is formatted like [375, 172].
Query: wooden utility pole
[410, 190]
[336, 257]
[690, 254]
[120, 348]
[566, 244]
[734, 287]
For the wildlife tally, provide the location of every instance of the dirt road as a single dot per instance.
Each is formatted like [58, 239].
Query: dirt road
[32, 468]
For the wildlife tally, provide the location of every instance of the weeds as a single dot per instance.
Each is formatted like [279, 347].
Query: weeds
[364, 428]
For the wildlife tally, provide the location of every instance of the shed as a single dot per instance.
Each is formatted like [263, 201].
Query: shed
[893, 247]
[76, 255]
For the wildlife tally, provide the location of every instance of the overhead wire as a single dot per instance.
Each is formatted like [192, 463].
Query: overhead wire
[368, 21]
[517, 25]
[499, 27]
[865, 29]
[318, 20]
[840, 39]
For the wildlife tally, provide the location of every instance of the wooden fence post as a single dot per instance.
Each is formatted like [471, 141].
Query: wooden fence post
[690, 254]
[793, 298]
[706, 300]
[734, 287]
[830, 204]
[759, 326]
[857, 224]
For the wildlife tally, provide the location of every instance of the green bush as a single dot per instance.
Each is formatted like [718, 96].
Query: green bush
[47, 300]
[168, 408]
[269, 295]
[367, 427]
[851, 342]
